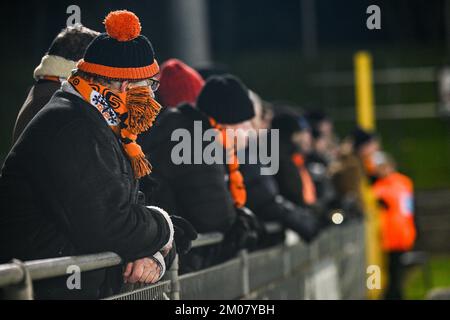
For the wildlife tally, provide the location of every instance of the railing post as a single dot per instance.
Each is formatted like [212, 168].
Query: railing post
[22, 290]
[286, 261]
[174, 280]
[245, 272]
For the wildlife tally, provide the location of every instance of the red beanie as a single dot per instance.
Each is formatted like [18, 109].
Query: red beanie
[178, 83]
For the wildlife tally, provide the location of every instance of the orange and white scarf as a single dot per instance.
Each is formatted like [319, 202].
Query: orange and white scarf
[236, 180]
[128, 114]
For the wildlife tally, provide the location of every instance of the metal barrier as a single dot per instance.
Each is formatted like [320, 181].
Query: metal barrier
[333, 267]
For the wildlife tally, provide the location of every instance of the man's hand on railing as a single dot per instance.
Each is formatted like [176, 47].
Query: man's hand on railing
[145, 270]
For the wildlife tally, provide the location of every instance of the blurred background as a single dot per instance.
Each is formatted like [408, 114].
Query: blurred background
[299, 51]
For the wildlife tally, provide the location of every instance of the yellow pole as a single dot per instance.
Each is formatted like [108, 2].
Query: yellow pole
[365, 116]
[364, 90]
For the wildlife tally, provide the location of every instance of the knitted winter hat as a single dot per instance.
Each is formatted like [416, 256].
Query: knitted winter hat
[226, 100]
[289, 123]
[361, 137]
[121, 53]
[178, 83]
[66, 49]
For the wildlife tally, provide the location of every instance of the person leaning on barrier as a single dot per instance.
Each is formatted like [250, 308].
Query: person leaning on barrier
[69, 185]
[210, 196]
[293, 178]
[263, 196]
[56, 65]
[319, 160]
[179, 83]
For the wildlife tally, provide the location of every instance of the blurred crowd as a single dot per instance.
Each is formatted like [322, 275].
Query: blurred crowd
[71, 182]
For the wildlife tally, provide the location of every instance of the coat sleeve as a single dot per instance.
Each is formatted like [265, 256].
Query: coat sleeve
[92, 196]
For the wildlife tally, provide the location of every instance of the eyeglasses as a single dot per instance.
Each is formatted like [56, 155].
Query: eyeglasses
[153, 84]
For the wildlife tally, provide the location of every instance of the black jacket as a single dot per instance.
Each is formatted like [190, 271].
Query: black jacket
[67, 188]
[197, 192]
[39, 95]
[265, 200]
[288, 178]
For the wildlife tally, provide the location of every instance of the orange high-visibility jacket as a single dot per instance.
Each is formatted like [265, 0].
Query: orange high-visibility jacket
[397, 220]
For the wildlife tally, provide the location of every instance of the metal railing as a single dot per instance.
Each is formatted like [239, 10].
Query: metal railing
[278, 272]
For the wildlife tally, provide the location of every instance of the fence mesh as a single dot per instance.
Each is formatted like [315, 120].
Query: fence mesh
[219, 282]
[281, 272]
[159, 291]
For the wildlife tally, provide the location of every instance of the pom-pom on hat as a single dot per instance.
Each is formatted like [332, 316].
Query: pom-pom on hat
[226, 99]
[121, 53]
[178, 83]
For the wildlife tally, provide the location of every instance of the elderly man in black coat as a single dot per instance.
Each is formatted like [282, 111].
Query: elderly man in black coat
[69, 186]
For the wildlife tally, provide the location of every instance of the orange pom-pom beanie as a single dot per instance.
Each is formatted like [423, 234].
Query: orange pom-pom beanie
[121, 53]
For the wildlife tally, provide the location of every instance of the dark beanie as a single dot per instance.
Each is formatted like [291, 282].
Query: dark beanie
[361, 137]
[225, 99]
[287, 124]
[121, 53]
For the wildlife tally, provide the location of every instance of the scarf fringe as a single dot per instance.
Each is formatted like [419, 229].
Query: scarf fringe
[142, 109]
[137, 111]
[141, 166]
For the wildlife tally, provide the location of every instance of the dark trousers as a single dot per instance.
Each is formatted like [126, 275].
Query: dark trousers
[395, 281]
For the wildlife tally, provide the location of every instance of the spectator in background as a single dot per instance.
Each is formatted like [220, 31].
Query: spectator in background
[318, 163]
[263, 196]
[394, 192]
[365, 144]
[179, 84]
[56, 65]
[293, 178]
[69, 186]
[322, 126]
[211, 196]
[347, 173]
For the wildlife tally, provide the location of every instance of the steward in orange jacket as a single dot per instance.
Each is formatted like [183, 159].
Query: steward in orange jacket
[394, 192]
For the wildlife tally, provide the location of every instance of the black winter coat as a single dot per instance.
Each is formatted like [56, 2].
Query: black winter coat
[67, 188]
[265, 200]
[39, 95]
[288, 178]
[196, 192]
